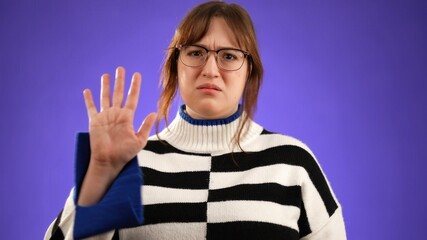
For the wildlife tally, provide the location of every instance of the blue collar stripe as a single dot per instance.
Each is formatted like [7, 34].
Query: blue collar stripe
[211, 122]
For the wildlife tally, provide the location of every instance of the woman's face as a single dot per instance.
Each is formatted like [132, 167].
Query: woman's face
[208, 91]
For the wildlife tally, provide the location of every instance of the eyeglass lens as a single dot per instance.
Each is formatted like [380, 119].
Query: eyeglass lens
[227, 59]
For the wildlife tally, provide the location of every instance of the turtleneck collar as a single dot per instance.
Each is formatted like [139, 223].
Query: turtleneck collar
[207, 136]
[211, 122]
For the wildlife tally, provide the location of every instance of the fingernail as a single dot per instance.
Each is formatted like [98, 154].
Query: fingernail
[117, 71]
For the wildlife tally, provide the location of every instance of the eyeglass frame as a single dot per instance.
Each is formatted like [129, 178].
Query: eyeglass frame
[246, 54]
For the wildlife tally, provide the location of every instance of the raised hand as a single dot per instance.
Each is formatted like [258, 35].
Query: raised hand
[113, 139]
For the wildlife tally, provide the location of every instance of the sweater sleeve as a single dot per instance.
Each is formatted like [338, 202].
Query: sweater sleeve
[334, 229]
[321, 214]
[120, 207]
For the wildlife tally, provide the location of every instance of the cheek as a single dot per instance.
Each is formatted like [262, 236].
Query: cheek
[182, 77]
[186, 81]
[236, 87]
[186, 75]
[240, 81]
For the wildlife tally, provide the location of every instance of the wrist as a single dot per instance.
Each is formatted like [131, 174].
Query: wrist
[96, 182]
[104, 169]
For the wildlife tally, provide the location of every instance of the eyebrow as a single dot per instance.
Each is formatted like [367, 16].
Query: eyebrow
[221, 47]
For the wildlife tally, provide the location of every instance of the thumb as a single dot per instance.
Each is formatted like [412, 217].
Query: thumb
[145, 128]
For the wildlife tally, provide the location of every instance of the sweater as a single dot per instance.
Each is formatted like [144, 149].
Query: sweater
[192, 182]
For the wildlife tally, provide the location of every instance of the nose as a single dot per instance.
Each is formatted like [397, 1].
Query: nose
[210, 69]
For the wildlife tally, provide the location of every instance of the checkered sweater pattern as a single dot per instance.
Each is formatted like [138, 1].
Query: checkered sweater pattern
[195, 184]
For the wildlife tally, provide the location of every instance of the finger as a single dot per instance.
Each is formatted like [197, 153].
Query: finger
[119, 86]
[105, 92]
[133, 94]
[90, 105]
[145, 128]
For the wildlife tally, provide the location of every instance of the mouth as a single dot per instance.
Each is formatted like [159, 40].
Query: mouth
[209, 86]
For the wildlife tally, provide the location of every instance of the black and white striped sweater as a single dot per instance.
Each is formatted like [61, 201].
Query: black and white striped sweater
[198, 185]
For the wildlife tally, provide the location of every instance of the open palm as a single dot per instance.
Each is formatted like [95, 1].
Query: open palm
[113, 138]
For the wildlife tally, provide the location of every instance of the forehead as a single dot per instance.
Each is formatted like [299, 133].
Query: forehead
[219, 34]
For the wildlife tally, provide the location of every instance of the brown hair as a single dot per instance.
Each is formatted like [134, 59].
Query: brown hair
[191, 29]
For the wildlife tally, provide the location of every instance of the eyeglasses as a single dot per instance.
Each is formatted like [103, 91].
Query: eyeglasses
[230, 59]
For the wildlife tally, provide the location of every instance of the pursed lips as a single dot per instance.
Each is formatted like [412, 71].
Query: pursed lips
[209, 86]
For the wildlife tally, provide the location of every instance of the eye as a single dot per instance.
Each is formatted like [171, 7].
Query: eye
[194, 52]
[230, 55]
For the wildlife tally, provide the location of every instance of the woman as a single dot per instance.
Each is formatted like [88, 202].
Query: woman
[213, 173]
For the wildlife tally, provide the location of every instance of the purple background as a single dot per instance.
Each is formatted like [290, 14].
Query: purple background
[346, 77]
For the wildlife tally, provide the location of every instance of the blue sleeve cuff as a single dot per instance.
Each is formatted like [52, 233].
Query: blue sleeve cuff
[121, 207]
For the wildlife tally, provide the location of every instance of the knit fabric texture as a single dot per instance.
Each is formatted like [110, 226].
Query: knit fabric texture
[198, 184]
